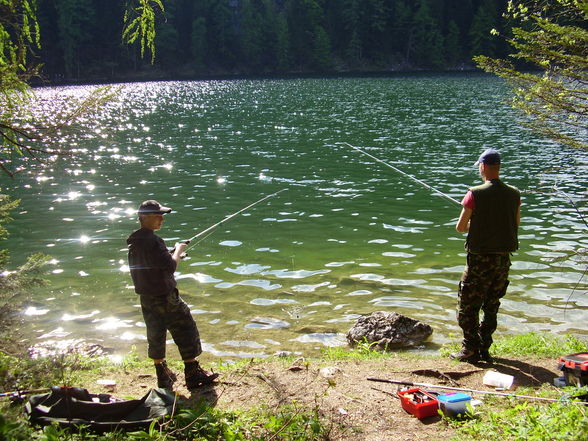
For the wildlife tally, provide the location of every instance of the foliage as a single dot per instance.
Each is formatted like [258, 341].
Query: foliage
[531, 344]
[553, 38]
[14, 284]
[217, 37]
[198, 423]
[363, 350]
[530, 422]
[140, 25]
[25, 135]
[539, 345]
[285, 423]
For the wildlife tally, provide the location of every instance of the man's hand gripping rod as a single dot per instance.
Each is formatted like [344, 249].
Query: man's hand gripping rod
[212, 227]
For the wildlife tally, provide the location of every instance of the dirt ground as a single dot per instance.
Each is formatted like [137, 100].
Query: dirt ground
[356, 407]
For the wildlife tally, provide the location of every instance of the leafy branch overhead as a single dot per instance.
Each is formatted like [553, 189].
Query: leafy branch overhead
[553, 39]
[27, 131]
[140, 25]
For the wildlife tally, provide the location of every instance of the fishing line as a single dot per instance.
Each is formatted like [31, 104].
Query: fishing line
[418, 181]
[583, 219]
[212, 227]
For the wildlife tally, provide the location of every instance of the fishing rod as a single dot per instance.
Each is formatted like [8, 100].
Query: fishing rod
[212, 227]
[418, 181]
[21, 393]
[434, 386]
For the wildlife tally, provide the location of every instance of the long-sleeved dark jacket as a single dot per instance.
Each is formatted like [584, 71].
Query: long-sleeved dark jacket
[150, 262]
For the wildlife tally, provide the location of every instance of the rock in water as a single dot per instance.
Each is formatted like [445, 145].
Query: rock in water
[388, 330]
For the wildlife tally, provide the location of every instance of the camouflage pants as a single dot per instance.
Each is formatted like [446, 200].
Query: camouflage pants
[483, 284]
[170, 312]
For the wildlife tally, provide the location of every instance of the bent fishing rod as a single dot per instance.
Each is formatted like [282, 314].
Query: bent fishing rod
[418, 181]
[212, 227]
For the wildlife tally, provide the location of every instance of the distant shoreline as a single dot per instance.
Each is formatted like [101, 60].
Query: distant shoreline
[157, 76]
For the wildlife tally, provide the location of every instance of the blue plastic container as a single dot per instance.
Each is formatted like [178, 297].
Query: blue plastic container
[454, 404]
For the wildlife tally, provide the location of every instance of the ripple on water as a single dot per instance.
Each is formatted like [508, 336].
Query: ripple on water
[403, 302]
[270, 302]
[231, 243]
[243, 344]
[339, 264]
[401, 229]
[247, 269]
[398, 254]
[267, 323]
[198, 277]
[388, 281]
[267, 250]
[310, 288]
[360, 292]
[263, 284]
[297, 274]
[326, 339]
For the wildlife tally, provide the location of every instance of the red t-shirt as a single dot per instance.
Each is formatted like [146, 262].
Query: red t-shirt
[468, 201]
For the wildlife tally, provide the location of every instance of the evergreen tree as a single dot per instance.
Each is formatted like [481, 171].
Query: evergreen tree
[282, 43]
[350, 14]
[198, 42]
[452, 45]
[75, 20]
[354, 49]
[221, 36]
[250, 34]
[427, 38]
[303, 18]
[167, 37]
[374, 25]
[401, 31]
[321, 54]
[481, 40]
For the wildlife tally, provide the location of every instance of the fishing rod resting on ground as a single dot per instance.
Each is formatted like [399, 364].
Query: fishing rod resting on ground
[434, 386]
[418, 181]
[212, 227]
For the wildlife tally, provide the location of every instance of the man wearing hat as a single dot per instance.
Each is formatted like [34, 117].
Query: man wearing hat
[491, 216]
[152, 268]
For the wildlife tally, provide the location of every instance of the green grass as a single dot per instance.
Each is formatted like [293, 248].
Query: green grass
[500, 418]
[517, 420]
[531, 344]
[528, 421]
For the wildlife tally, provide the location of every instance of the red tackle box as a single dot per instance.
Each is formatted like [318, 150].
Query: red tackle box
[575, 369]
[418, 409]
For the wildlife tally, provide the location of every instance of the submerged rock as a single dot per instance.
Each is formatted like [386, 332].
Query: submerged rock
[388, 330]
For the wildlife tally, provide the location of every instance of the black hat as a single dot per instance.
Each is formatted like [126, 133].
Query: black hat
[153, 207]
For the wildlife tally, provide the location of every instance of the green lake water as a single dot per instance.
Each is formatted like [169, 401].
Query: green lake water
[349, 236]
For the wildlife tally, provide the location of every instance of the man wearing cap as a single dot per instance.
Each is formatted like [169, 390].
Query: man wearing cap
[152, 268]
[491, 216]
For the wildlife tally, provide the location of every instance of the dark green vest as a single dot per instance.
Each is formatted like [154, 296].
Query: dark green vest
[493, 225]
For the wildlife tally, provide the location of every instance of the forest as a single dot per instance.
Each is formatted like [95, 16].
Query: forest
[81, 39]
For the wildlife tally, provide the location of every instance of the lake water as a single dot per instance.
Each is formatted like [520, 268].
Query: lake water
[348, 237]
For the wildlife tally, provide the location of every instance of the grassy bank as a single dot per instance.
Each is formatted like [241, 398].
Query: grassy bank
[206, 418]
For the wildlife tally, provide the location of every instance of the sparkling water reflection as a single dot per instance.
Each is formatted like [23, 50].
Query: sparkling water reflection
[349, 237]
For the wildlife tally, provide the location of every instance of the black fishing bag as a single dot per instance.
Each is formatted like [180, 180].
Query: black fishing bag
[73, 406]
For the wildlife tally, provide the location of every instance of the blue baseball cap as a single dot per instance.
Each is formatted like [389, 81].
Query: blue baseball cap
[489, 157]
